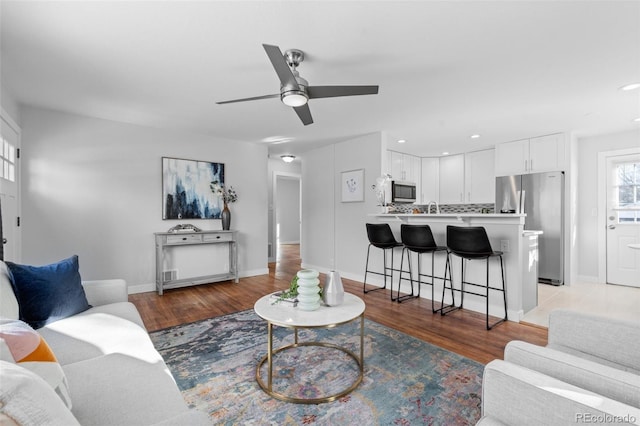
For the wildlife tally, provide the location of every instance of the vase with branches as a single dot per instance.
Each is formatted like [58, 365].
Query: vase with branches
[228, 195]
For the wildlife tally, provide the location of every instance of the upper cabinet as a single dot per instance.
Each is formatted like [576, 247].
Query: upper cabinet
[479, 177]
[429, 187]
[467, 178]
[452, 179]
[540, 154]
[404, 167]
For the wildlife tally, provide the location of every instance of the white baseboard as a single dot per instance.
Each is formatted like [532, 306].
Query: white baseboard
[253, 272]
[141, 288]
[145, 288]
[586, 279]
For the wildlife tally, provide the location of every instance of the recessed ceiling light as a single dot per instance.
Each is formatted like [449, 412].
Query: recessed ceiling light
[632, 86]
[277, 139]
[401, 141]
[637, 119]
[476, 136]
[445, 153]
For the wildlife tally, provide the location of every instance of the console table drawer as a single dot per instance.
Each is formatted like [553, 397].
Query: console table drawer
[223, 236]
[183, 239]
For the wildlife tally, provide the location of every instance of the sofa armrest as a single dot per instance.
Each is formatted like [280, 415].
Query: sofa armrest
[516, 395]
[616, 341]
[103, 292]
[584, 373]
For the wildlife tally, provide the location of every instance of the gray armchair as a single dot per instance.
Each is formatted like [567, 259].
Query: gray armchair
[588, 373]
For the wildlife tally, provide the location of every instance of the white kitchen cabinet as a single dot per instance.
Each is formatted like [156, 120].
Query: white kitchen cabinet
[429, 187]
[547, 153]
[404, 167]
[479, 177]
[534, 155]
[451, 182]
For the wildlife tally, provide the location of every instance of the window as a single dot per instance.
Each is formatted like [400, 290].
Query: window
[628, 191]
[8, 160]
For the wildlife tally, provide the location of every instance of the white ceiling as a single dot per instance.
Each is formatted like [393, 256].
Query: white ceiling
[446, 69]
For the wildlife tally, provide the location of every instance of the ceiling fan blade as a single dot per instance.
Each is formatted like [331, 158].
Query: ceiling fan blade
[304, 113]
[285, 75]
[256, 98]
[316, 92]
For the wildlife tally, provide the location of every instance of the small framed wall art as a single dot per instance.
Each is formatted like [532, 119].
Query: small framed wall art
[186, 189]
[352, 183]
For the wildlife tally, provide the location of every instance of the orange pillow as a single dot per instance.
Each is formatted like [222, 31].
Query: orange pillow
[23, 345]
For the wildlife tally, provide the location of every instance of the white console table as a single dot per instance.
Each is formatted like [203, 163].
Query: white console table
[176, 239]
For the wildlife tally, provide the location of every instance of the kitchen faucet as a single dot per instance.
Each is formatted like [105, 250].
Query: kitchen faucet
[429, 207]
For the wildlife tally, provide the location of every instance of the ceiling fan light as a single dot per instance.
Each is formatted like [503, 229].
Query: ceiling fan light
[294, 98]
[632, 86]
[288, 158]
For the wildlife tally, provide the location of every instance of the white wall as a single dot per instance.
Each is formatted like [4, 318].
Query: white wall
[93, 187]
[587, 198]
[288, 210]
[333, 233]
[9, 104]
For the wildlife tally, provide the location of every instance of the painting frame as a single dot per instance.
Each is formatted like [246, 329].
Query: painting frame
[352, 186]
[186, 189]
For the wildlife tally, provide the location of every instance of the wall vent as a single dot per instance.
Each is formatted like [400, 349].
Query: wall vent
[170, 275]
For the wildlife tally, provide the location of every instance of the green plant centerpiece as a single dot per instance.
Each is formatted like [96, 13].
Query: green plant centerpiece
[292, 292]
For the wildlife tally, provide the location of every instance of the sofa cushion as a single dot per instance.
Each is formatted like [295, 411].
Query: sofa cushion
[28, 400]
[119, 389]
[8, 302]
[48, 293]
[612, 342]
[602, 379]
[515, 395]
[32, 352]
[101, 330]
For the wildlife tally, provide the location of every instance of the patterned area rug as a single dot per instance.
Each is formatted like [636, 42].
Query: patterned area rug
[406, 381]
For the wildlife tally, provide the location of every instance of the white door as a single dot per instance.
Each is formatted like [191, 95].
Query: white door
[9, 145]
[623, 220]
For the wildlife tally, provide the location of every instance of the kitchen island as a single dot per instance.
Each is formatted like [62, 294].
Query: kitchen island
[506, 233]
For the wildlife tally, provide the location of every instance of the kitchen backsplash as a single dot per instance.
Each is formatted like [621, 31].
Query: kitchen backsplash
[447, 208]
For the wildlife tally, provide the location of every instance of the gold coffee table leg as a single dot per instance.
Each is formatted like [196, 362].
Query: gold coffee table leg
[268, 388]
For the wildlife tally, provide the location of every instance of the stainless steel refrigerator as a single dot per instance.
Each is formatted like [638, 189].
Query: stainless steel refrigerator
[541, 197]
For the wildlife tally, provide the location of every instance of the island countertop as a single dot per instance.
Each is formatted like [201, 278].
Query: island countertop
[448, 215]
[463, 218]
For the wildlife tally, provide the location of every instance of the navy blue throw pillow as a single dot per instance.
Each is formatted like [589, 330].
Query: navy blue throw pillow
[48, 293]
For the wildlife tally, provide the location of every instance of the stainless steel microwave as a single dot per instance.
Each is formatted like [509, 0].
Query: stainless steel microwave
[403, 192]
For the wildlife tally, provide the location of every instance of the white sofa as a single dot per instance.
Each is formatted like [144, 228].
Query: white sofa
[114, 374]
[588, 373]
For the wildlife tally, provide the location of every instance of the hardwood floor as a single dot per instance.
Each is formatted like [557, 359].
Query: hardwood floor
[462, 332]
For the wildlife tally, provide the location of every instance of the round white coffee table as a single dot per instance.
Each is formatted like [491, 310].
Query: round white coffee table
[282, 315]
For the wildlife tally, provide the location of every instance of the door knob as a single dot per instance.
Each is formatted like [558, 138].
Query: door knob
[611, 227]
[4, 241]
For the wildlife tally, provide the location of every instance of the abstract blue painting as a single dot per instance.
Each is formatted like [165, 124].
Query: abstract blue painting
[186, 191]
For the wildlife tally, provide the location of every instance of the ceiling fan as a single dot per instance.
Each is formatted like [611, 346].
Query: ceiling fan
[295, 90]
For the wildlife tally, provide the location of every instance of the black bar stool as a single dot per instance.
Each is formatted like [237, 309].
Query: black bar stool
[472, 243]
[380, 236]
[418, 239]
